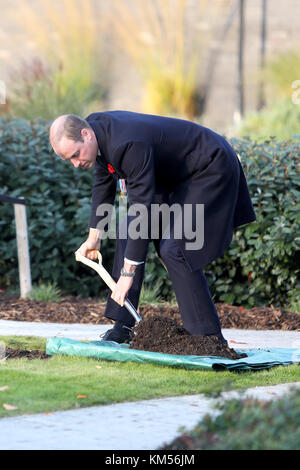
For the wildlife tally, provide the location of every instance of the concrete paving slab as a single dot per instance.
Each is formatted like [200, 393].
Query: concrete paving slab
[248, 339]
[144, 425]
[49, 330]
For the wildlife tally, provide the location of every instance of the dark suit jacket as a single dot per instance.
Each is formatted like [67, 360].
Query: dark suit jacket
[171, 160]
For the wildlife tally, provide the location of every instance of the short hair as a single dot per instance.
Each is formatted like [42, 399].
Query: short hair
[72, 128]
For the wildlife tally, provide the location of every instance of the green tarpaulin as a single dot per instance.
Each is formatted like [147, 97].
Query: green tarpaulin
[110, 351]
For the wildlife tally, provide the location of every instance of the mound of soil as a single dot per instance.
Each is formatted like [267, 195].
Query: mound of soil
[76, 310]
[167, 336]
[11, 353]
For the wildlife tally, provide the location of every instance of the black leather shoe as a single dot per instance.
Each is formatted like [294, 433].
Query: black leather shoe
[118, 334]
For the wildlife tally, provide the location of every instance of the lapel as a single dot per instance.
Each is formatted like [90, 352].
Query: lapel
[101, 160]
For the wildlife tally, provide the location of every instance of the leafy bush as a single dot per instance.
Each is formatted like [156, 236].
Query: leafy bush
[150, 295]
[279, 72]
[45, 293]
[281, 119]
[39, 89]
[64, 75]
[247, 425]
[58, 208]
[262, 264]
[260, 267]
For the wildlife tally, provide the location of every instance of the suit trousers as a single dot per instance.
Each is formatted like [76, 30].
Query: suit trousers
[195, 303]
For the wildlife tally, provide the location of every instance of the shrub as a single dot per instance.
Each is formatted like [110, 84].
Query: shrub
[281, 117]
[45, 293]
[262, 264]
[279, 73]
[150, 295]
[260, 267]
[58, 207]
[64, 75]
[43, 90]
[281, 120]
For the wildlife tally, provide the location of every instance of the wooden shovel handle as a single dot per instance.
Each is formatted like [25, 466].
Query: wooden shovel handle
[98, 267]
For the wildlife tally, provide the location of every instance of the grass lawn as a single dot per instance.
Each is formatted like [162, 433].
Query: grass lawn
[47, 385]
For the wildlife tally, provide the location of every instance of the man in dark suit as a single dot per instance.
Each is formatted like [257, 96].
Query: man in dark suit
[163, 161]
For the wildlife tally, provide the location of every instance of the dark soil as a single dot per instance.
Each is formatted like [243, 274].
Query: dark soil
[164, 335]
[76, 310]
[11, 353]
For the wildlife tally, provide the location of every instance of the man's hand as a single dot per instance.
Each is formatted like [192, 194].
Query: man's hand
[123, 285]
[121, 290]
[91, 244]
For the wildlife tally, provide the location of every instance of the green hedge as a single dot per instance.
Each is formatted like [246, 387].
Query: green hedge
[58, 208]
[262, 264]
[260, 267]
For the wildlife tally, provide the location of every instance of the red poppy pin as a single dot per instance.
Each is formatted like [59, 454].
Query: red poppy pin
[111, 168]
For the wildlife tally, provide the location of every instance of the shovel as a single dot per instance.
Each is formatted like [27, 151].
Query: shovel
[107, 279]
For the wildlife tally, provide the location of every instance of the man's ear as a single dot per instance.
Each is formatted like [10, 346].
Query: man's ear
[85, 134]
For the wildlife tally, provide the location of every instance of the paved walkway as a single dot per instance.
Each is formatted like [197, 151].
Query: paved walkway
[143, 425]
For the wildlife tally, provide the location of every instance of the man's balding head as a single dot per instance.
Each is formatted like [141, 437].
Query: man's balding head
[69, 126]
[72, 138]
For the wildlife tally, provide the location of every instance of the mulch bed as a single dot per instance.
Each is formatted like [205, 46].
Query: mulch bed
[76, 310]
[11, 353]
[164, 335]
